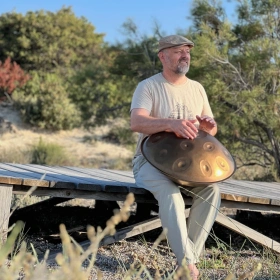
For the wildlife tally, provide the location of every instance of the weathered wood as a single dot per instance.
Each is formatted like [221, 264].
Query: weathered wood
[83, 194]
[6, 192]
[10, 180]
[144, 198]
[248, 232]
[275, 202]
[271, 209]
[259, 200]
[234, 197]
[119, 181]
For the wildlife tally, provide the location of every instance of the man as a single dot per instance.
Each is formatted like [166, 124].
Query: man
[169, 101]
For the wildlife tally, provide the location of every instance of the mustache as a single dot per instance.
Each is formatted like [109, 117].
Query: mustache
[183, 60]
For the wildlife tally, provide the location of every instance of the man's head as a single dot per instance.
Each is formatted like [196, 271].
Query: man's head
[173, 41]
[174, 54]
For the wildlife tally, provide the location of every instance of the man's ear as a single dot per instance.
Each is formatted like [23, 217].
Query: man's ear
[161, 56]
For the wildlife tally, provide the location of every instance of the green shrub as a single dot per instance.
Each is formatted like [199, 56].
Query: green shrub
[44, 102]
[121, 135]
[48, 153]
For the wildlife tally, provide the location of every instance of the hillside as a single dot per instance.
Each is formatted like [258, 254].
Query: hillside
[84, 148]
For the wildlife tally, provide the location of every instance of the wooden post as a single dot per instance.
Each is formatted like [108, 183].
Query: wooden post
[6, 192]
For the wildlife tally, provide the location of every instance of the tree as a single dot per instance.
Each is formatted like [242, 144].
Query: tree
[240, 67]
[11, 77]
[63, 46]
[44, 40]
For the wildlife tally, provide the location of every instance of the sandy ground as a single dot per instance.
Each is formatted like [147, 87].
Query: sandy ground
[84, 147]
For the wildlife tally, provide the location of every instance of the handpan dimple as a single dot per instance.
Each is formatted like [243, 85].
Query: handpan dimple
[161, 155]
[186, 145]
[208, 146]
[198, 162]
[181, 164]
[222, 163]
[205, 168]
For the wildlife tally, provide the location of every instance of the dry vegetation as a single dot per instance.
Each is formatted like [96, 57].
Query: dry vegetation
[143, 257]
[82, 147]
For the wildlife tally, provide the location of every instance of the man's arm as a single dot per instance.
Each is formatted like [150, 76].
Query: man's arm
[142, 122]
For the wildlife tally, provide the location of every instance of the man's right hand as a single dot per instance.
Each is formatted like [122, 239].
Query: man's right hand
[185, 128]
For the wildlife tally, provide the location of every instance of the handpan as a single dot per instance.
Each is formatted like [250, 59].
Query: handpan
[198, 162]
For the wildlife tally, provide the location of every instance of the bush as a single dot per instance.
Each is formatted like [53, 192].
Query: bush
[48, 153]
[121, 134]
[44, 102]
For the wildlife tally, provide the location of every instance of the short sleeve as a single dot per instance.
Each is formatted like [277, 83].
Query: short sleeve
[142, 97]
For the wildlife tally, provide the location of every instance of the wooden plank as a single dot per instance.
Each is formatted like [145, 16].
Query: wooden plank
[5, 204]
[35, 183]
[63, 185]
[10, 180]
[51, 174]
[259, 200]
[248, 232]
[271, 209]
[234, 197]
[95, 176]
[82, 194]
[139, 191]
[90, 187]
[275, 202]
[25, 177]
[124, 178]
[250, 189]
[114, 189]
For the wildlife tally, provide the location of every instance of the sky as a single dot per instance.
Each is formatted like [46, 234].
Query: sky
[107, 16]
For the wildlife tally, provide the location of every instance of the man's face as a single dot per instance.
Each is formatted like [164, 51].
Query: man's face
[177, 59]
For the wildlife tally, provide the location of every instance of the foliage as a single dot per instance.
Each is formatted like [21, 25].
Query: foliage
[122, 135]
[44, 40]
[48, 153]
[56, 49]
[11, 76]
[103, 90]
[98, 96]
[241, 75]
[44, 102]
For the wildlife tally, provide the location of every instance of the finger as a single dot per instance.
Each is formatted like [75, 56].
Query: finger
[191, 132]
[198, 118]
[191, 125]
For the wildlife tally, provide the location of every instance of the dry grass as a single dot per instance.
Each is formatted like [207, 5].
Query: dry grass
[145, 261]
[82, 147]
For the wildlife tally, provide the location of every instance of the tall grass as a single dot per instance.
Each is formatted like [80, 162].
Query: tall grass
[79, 264]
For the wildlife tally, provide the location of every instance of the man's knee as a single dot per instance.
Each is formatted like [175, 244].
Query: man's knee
[213, 191]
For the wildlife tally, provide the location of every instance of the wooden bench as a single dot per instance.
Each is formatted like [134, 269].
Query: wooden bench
[63, 183]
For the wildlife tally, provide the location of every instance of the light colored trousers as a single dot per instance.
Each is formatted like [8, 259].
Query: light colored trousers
[186, 239]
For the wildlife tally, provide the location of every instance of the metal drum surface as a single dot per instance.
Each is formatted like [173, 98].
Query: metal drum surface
[198, 162]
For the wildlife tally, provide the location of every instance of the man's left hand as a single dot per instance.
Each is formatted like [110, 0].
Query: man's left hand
[206, 123]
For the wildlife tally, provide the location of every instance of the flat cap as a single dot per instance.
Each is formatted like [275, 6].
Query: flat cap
[173, 41]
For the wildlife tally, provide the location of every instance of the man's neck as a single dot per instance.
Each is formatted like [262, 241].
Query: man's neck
[175, 79]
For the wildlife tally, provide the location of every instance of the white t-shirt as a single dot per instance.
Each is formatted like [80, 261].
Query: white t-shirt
[165, 100]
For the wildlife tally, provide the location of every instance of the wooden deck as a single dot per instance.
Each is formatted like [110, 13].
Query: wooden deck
[113, 185]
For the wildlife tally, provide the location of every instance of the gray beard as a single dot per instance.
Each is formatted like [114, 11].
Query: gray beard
[182, 69]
